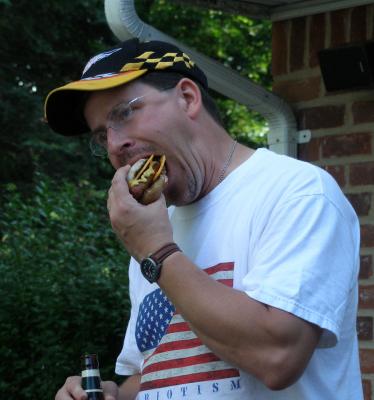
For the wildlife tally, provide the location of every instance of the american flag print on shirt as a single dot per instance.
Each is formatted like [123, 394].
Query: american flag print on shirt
[173, 354]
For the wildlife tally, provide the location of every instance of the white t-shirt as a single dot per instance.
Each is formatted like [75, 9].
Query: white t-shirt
[281, 231]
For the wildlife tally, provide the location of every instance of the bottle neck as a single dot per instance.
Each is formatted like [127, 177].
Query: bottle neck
[91, 381]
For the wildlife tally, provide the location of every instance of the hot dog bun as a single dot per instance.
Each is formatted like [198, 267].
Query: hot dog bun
[147, 179]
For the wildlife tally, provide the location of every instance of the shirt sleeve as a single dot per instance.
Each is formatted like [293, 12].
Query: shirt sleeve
[130, 359]
[306, 263]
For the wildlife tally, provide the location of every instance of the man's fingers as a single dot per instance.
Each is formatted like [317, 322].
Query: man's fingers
[120, 175]
[119, 183]
[119, 188]
[74, 386]
[110, 390]
[72, 389]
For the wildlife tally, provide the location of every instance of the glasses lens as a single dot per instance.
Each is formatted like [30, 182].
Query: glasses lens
[120, 115]
[97, 149]
[117, 118]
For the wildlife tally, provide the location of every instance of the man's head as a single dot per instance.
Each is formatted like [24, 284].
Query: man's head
[146, 98]
[156, 63]
[137, 120]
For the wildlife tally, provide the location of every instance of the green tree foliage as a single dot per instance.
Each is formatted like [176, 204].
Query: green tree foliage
[47, 44]
[62, 288]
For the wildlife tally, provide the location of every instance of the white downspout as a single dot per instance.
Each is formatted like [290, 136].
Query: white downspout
[282, 137]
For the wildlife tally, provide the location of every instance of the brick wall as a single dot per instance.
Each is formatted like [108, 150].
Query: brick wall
[342, 125]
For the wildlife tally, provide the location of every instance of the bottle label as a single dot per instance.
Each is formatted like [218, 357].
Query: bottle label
[91, 381]
[90, 372]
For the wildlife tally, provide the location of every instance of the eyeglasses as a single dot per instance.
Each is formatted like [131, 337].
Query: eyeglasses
[117, 118]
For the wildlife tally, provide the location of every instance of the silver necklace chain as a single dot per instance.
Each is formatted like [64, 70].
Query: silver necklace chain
[227, 163]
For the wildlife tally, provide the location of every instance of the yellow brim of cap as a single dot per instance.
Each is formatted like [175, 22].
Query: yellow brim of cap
[101, 83]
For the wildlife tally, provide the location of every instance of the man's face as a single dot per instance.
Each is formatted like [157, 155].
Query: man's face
[156, 122]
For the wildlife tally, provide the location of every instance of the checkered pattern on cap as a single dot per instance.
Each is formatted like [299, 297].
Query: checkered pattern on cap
[148, 60]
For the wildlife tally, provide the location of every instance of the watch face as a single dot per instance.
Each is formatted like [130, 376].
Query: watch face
[150, 269]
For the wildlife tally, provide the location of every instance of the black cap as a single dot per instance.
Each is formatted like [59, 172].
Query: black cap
[117, 66]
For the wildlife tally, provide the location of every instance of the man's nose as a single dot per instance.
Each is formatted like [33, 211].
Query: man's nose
[118, 141]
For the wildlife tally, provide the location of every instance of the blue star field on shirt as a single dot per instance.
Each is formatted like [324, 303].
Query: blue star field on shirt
[154, 316]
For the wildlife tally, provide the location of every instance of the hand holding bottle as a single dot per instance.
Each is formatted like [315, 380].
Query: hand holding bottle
[88, 386]
[72, 390]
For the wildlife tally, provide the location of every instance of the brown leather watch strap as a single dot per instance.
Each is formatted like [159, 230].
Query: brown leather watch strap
[165, 251]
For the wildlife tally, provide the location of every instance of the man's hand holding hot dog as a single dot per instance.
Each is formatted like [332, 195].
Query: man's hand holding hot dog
[142, 229]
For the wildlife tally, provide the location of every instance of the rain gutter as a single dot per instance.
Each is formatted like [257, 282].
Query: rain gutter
[283, 136]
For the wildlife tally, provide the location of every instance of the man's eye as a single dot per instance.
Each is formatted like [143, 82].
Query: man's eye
[126, 112]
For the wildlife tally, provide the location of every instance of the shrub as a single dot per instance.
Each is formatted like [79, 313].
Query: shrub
[63, 286]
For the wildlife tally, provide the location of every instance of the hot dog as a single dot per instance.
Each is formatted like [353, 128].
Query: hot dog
[147, 179]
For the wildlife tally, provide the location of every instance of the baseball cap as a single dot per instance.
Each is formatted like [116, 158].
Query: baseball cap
[63, 108]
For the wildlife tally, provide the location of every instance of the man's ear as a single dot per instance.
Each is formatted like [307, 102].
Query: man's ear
[189, 97]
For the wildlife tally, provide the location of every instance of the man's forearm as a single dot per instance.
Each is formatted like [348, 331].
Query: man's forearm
[129, 388]
[268, 343]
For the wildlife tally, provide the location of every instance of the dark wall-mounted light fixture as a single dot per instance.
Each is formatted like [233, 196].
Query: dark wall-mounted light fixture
[349, 67]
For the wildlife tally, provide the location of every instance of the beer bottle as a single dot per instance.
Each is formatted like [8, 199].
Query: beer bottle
[91, 381]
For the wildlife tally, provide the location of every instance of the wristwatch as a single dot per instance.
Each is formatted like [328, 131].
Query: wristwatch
[151, 265]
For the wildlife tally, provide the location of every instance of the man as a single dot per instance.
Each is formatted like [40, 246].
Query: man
[252, 270]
